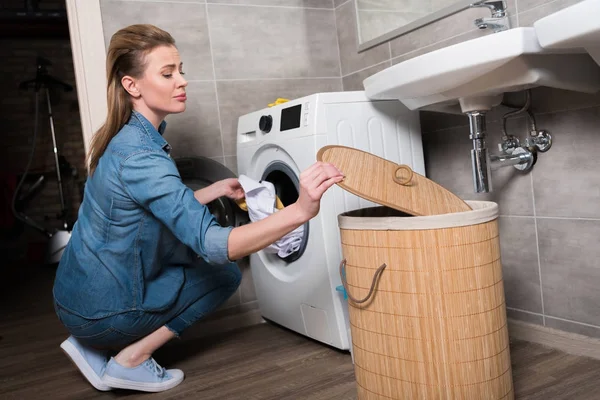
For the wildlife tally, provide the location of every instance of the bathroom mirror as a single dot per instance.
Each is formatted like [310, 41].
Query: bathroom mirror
[382, 20]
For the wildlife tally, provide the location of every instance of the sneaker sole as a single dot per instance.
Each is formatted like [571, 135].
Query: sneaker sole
[141, 386]
[81, 364]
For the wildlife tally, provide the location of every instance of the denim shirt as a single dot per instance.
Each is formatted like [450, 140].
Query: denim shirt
[138, 228]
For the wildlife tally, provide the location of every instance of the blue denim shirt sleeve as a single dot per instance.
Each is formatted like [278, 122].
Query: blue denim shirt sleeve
[153, 181]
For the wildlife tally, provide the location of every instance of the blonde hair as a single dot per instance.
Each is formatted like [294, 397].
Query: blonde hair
[126, 56]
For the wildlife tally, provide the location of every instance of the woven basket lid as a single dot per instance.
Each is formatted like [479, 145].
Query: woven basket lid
[390, 184]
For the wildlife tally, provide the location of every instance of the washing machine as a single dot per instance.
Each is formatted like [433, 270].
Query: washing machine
[200, 172]
[276, 144]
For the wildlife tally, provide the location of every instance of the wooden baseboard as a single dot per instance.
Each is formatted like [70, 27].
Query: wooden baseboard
[571, 343]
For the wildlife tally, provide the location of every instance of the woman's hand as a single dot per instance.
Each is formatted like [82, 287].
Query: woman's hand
[250, 238]
[227, 187]
[232, 189]
[314, 181]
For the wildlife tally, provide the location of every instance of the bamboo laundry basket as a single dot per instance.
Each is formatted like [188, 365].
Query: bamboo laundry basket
[426, 298]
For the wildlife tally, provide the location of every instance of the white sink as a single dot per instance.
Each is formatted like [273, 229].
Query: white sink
[573, 28]
[477, 72]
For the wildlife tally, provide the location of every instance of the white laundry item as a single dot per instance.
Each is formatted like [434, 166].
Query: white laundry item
[260, 200]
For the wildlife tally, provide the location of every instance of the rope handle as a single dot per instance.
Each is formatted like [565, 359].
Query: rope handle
[371, 290]
[406, 180]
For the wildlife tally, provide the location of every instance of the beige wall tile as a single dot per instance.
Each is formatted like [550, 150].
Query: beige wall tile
[196, 132]
[247, 290]
[551, 5]
[280, 3]
[434, 121]
[273, 42]
[567, 326]
[520, 264]
[351, 60]
[472, 34]
[545, 100]
[527, 16]
[566, 179]
[186, 22]
[569, 255]
[355, 81]
[524, 316]
[231, 163]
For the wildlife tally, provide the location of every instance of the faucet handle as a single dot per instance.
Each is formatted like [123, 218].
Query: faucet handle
[497, 7]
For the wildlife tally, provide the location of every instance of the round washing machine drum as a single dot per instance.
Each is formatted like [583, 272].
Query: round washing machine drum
[200, 172]
[287, 186]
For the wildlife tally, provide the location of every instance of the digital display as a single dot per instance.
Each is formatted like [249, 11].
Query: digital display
[290, 118]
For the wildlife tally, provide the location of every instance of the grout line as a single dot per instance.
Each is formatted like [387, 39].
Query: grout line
[390, 51]
[517, 13]
[364, 69]
[436, 43]
[537, 245]
[215, 84]
[524, 311]
[268, 6]
[557, 218]
[379, 10]
[561, 110]
[516, 216]
[276, 79]
[159, 1]
[574, 322]
[489, 121]
[357, 30]
[340, 4]
[337, 41]
[538, 6]
[570, 218]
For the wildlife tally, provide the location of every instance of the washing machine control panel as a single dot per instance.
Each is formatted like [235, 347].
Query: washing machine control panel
[265, 123]
[291, 119]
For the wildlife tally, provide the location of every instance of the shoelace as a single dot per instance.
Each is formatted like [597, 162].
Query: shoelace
[154, 367]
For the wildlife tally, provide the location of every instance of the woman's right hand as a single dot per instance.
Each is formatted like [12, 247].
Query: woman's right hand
[250, 238]
[314, 182]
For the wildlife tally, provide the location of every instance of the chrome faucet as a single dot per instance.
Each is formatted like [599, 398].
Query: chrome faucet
[499, 21]
[498, 8]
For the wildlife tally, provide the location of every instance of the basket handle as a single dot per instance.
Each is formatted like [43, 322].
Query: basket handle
[406, 180]
[375, 277]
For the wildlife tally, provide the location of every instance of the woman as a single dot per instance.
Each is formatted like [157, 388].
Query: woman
[146, 258]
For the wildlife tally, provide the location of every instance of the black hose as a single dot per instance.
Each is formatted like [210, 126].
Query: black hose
[21, 217]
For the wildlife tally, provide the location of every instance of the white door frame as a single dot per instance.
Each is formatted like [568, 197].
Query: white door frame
[89, 61]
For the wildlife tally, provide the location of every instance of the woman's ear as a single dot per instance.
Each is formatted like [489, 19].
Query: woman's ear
[130, 85]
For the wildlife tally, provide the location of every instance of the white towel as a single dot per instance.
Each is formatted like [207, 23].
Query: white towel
[260, 199]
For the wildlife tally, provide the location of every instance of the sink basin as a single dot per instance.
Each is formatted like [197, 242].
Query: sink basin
[477, 72]
[575, 27]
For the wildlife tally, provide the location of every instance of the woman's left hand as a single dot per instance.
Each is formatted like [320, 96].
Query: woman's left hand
[232, 189]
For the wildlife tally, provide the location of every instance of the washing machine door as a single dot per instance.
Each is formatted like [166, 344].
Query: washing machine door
[276, 165]
[287, 186]
[200, 172]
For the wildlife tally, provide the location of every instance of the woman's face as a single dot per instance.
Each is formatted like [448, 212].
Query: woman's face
[161, 90]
